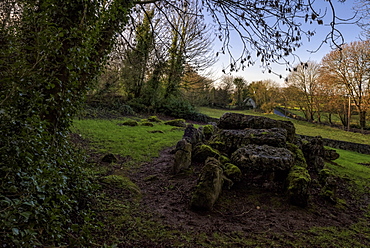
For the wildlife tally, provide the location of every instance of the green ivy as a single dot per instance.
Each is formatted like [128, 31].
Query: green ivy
[50, 53]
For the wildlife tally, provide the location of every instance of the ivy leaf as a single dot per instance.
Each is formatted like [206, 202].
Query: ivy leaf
[15, 231]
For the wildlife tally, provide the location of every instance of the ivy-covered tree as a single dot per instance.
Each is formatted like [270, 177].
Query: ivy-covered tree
[51, 51]
[136, 63]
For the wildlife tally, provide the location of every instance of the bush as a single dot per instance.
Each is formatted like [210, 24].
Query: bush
[179, 108]
[106, 106]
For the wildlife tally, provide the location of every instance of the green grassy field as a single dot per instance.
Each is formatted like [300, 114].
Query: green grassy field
[138, 142]
[302, 127]
[121, 222]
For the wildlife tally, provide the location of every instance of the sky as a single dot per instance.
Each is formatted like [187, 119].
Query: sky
[350, 32]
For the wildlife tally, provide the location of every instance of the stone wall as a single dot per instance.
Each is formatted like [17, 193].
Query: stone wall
[344, 145]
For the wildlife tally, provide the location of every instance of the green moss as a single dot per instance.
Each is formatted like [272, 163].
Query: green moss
[209, 187]
[176, 123]
[131, 123]
[232, 171]
[154, 119]
[323, 176]
[121, 182]
[147, 124]
[298, 155]
[208, 129]
[223, 159]
[218, 145]
[298, 184]
[202, 152]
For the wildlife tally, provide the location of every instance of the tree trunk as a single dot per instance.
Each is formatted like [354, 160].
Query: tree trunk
[362, 119]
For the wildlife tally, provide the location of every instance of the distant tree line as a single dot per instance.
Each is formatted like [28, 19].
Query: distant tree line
[340, 84]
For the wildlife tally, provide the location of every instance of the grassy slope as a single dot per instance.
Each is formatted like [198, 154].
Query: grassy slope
[121, 220]
[304, 128]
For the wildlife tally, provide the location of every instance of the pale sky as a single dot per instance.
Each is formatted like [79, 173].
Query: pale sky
[350, 32]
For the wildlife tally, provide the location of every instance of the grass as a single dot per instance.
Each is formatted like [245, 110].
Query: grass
[355, 119]
[139, 142]
[122, 223]
[352, 165]
[302, 127]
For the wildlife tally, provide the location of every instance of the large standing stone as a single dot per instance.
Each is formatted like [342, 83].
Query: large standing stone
[209, 186]
[240, 121]
[192, 135]
[298, 182]
[182, 156]
[314, 152]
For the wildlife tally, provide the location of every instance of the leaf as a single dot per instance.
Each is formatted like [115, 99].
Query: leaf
[15, 231]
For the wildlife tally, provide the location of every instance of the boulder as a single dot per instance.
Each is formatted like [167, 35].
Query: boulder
[314, 152]
[209, 186]
[176, 123]
[130, 123]
[232, 172]
[330, 154]
[182, 156]
[202, 152]
[233, 139]
[154, 119]
[240, 121]
[298, 182]
[262, 159]
[192, 135]
[208, 131]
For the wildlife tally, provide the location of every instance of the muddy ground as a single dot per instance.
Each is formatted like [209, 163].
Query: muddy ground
[245, 208]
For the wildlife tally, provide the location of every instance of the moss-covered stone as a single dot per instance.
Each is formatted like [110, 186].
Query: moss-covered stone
[182, 156]
[202, 152]
[121, 182]
[131, 123]
[176, 123]
[154, 119]
[109, 158]
[147, 124]
[330, 154]
[209, 186]
[298, 155]
[223, 159]
[329, 185]
[324, 174]
[218, 145]
[298, 182]
[232, 172]
[208, 131]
